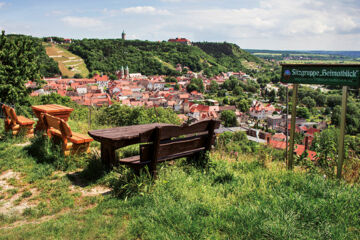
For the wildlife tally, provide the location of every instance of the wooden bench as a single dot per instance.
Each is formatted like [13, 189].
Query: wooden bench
[72, 142]
[172, 142]
[16, 123]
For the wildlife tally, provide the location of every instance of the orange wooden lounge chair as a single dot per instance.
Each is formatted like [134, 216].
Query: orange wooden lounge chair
[16, 123]
[72, 142]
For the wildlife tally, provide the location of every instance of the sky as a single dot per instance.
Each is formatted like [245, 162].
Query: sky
[251, 24]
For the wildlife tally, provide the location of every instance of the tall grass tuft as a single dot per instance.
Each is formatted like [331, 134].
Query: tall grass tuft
[46, 151]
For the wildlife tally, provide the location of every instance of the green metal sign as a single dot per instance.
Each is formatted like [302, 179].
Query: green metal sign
[334, 74]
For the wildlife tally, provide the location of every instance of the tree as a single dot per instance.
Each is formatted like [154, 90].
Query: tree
[196, 84]
[18, 64]
[177, 86]
[272, 95]
[171, 79]
[243, 105]
[302, 112]
[228, 118]
[352, 117]
[214, 86]
[111, 76]
[325, 145]
[308, 102]
[237, 90]
[282, 93]
[78, 75]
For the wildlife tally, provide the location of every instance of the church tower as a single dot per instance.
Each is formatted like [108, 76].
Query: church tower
[127, 72]
[122, 72]
[123, 35]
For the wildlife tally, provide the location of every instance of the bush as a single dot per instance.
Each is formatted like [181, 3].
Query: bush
[236, 143]
[120, 115]
[228, 118]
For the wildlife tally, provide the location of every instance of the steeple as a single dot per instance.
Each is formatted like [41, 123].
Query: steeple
[127, 72]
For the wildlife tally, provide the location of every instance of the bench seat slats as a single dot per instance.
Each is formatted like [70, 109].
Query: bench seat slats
[134, 160]
[24, 121]
[79, 138]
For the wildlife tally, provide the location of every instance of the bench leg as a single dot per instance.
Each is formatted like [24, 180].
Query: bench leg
[67, 148]
[108, 157]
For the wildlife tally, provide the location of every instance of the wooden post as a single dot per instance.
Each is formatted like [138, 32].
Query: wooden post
[342, 131]
[293, 127]
[89, 122]
[287, 124]
[154, 159]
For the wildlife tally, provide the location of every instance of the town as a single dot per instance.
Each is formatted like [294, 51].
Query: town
[136, 90]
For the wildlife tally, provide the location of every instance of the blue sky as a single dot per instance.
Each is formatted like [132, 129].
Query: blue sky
[259, 24]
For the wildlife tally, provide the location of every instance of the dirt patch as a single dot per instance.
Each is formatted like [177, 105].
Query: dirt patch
[5, 177]
[13, 200]
[15, 205]
[46, 218]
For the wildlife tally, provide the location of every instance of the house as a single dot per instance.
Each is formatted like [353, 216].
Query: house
[260, 111]
[273, 121]
[81, 90]
[101, 80]
[300, 149]
[180, 40]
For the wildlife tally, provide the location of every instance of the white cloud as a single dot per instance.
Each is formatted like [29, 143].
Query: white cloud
[2, 4]
[82, 22]
[279, 17]
[146, 10]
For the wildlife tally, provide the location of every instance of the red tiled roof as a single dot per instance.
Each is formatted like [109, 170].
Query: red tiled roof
[299, 150]
[312, 131]
[303, 128]
[278, 144]
[101, 78]
[279, 136]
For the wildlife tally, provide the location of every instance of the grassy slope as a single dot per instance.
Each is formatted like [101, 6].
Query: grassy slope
[66, 59]
[245, 199]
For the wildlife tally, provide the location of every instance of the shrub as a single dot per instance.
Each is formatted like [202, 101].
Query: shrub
[120, 115]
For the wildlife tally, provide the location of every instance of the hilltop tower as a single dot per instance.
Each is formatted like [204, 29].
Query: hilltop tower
[123, 35]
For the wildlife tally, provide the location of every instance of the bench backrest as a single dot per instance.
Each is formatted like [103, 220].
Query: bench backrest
[10, 114]
[57, 124]
[171, 142]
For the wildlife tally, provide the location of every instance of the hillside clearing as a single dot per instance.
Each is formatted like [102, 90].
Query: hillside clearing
[69, 63]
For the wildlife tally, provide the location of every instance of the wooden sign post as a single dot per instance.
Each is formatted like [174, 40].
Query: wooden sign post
[330, 74]
[292, 130]
[342, 131]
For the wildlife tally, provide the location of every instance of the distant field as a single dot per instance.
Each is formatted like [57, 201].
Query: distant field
[69, 64]
[309, 55]
[267, 54]
[322, 61]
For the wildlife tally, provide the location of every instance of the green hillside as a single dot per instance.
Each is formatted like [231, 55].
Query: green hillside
[108, 55]
[48, 67]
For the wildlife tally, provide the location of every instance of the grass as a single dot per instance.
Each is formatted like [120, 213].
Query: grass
[69, 63]
[251, 197]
